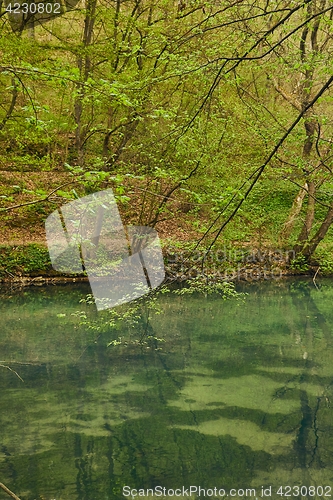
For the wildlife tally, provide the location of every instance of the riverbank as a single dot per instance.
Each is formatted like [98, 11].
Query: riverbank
[245, 251]
[30, 264]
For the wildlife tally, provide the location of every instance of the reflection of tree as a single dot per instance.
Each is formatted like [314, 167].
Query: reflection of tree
[299, 372]
[84, 465]
[314, 415]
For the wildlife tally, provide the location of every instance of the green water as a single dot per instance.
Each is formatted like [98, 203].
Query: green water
[238, 396]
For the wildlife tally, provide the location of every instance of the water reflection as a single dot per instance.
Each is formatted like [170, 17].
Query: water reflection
[239, 396]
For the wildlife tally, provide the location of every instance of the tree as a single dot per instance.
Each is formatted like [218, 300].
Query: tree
[150, 89]
[287, 51]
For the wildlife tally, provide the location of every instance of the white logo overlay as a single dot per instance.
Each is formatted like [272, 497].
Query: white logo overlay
[122, 263]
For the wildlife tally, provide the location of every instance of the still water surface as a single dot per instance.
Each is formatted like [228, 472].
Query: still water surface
[239, 395]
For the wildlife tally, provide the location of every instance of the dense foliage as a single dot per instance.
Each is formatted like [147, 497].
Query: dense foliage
[217, 114]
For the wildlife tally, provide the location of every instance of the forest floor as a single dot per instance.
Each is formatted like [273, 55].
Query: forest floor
[22, 225]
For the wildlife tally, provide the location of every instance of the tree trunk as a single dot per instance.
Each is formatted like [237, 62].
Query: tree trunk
[84, 65]
[310, 128]
[308, 48]
[310, 247]
[294, 213]
[308, 223]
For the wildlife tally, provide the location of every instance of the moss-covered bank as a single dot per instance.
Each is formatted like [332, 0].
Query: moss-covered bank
[31, 263]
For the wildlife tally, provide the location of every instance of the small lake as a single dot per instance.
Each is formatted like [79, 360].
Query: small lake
[238, 395]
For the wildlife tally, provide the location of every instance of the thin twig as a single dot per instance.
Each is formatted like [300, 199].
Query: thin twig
[314, 278]
[36, 363]
[46, 198]
[10, 493]
[9, 368]
[167, 194]
[10, 274]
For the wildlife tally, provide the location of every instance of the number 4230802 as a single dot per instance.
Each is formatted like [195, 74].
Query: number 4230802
[305, 491]
[34, 8]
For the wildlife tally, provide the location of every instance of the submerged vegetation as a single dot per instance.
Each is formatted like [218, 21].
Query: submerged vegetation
[133, 319]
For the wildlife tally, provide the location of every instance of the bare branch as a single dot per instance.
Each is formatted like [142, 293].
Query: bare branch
[9, 368]
[10, 493]
[41, 200]
[12, 104]
[169, 193]
[288, 97]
